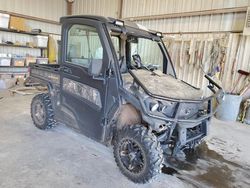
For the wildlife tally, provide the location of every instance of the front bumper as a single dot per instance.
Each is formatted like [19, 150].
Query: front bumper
[190, 130]
[207, 104]
[191, 134]
[177, 128]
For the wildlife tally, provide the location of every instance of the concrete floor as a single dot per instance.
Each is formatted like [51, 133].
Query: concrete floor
[60, 157]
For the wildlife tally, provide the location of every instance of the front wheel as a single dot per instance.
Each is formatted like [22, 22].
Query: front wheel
[138, 154]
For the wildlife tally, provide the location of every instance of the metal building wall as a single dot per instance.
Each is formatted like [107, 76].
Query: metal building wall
[46, 9]
[109, 8]
[235, 46]
[210, 23]
[133, 8]
[238, 57]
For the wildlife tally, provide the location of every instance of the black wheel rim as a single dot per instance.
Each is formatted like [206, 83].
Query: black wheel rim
[131, 156]
[39, 112]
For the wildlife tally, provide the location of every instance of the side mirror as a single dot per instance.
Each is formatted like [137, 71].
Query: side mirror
[95, 67]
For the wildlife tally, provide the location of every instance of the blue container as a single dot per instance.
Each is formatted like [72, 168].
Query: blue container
[229, 108]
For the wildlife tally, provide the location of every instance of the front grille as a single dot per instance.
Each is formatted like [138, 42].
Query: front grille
[194, 132]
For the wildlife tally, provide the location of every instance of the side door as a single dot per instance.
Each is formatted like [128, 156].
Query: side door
[82, 94]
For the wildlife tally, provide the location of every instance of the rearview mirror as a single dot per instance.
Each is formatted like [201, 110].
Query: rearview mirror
[95, 67]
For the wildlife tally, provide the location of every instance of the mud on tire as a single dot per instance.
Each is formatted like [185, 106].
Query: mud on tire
[42, 112]
[149, 161]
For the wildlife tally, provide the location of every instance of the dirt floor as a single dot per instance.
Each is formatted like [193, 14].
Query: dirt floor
[60, 157]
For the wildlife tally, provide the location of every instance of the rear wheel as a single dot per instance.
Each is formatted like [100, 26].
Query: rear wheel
[138, 153]
[42, 112]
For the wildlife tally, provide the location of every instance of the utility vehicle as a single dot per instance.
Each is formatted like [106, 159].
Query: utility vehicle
[116, 84]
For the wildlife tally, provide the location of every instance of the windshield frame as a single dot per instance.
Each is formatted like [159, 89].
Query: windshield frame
[139, 33]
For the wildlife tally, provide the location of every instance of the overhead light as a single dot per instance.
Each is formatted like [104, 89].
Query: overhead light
[119, 22]
[159, 34]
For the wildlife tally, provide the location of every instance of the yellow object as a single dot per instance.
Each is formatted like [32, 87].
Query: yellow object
[19, 24]
[52, 50]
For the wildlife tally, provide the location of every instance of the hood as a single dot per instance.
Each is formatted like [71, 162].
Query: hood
[166, 85]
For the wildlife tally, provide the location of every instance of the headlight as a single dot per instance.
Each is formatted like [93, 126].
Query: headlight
[167, 108]
[154, 106]
[158, 107]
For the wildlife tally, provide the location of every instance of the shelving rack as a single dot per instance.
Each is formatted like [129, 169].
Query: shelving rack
[17, 69]
[21, 46]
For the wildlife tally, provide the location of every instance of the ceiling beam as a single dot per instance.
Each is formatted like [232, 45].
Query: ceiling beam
[120, 9]
[69, 7]
[189, 14]
[200, 32]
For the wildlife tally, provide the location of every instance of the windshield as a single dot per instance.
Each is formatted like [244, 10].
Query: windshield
[149, 52]
[142, 53]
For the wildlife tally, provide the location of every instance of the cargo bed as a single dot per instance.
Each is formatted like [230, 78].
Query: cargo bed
[45, 73]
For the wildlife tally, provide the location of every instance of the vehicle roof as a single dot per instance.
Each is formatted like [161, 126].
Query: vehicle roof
[93, 17]
[107, 20]
[98, 18]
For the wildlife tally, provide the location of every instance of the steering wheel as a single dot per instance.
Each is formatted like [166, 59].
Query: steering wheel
[152, 67]
[137, 60]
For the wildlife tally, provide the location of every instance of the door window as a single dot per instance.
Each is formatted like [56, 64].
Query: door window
[116, 44]
[83, 45]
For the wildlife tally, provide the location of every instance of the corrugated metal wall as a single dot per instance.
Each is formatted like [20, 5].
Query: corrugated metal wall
[97, 7]
[133, 8]
[238, 57]
[192, 54]
[47, 9]
[232, 55]
[220, 22]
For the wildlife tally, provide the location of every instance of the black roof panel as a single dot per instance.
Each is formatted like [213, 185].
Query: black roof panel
[99, 18]
[92, 17]
[105, 20]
